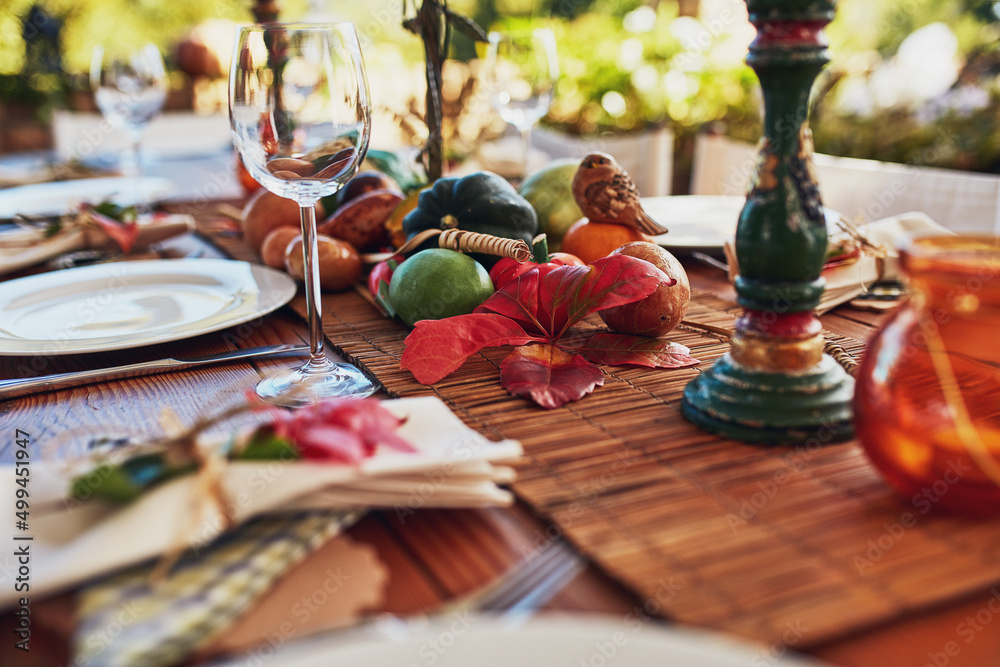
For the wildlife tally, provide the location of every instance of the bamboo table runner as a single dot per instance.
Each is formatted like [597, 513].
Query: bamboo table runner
[795, 545]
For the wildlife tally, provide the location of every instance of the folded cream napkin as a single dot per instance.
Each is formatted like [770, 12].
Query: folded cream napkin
[847, 281]
[75, 541]
[21, 248]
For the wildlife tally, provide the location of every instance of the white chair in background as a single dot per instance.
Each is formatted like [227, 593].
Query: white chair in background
[721, 166]
[863, 190]
[646, 156]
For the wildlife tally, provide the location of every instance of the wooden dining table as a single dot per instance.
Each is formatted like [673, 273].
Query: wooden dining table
[432, 555]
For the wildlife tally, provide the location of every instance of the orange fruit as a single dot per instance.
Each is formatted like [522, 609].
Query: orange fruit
[266, 211]
[593, 240]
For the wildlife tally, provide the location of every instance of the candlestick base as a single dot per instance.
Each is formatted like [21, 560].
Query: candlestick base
[812, 407]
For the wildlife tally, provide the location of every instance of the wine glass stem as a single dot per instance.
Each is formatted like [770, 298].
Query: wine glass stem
[525, 150]
[141, 204]
[314, 309]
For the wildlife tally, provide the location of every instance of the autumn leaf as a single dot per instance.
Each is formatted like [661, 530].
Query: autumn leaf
[437, 348]
[548, 375]
[609, 281]
[565, 295]
[518, 300]
[536, 308]
[613, 349]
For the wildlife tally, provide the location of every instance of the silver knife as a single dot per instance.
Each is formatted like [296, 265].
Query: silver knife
[26, 386]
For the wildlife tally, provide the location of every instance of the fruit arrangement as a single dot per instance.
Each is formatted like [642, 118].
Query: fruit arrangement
[462, 262]
[480, 215]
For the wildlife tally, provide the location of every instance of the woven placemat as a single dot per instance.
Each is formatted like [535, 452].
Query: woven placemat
[795, 545]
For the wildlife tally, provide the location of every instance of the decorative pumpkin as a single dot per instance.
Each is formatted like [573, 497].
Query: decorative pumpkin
[482, 202]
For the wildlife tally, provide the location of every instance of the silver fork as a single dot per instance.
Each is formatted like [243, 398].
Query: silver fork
[527, 585]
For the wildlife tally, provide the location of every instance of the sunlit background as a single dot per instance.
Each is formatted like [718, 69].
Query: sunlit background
[915, 81]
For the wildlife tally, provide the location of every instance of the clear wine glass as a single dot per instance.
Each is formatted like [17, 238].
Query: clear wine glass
[300, 116]
[130, 90]
[521, 73]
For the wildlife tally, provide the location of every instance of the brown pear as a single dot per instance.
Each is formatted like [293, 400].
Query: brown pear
[661, 311]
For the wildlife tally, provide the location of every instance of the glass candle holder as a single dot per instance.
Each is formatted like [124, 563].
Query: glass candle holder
[926, 404]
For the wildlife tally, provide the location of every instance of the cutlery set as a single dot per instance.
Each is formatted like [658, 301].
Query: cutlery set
[26, 386]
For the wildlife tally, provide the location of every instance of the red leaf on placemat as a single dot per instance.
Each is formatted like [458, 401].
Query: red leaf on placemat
[567, 294]
[436, 348]
[548, 375]
[518, 300]
[540, 308]
[613, 349]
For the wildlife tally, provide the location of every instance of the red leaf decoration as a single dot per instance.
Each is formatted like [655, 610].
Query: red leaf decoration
[518, 300]
[549, 304]
[571, 293]
[548, 375]
[539, 306]
[619, 349]
[436, 348]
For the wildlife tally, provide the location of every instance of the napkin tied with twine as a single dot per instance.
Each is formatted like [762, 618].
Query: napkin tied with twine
[453, 466]
[24, 247]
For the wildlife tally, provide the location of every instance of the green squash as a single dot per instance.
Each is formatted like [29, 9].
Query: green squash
[482, 202]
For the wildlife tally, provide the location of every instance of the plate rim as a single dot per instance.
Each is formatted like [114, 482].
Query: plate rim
[161, 187]
[664, 239]
[283, 288]
[721, 647]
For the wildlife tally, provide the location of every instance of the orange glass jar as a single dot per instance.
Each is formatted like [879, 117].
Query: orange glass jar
[927, 401]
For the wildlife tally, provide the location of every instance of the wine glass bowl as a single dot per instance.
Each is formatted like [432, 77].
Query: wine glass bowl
[300, 117]
[130, 90]
[522, 69]
[299, 107]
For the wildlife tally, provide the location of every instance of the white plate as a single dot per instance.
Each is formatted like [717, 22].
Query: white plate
[700, 222]
[462, 640]
[129, 304]
[59, 197]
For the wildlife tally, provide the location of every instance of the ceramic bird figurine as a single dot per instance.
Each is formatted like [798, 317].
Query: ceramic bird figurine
[606, 193]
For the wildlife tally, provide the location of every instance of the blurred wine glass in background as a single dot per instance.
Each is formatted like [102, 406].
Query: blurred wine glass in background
[522, 68]
[130, 89]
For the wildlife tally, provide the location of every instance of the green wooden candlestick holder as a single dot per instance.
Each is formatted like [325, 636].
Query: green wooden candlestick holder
[775, 385]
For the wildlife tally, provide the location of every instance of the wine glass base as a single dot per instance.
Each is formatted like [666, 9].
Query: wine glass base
[297, 387]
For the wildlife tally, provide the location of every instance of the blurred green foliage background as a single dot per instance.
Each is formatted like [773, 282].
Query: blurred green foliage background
[626, 64]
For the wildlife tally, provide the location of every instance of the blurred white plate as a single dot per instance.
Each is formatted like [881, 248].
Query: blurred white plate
[700, 222]
[461, 640]
[129, 304]
[59, 197]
